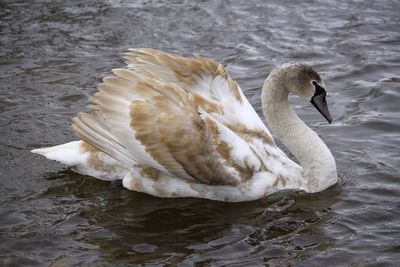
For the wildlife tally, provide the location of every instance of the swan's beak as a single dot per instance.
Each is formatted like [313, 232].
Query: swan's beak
[319, 102]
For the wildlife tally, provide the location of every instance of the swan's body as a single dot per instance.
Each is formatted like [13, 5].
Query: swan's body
[181, 127]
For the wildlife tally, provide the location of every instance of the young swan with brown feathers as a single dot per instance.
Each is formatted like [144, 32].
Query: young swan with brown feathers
[172, 126]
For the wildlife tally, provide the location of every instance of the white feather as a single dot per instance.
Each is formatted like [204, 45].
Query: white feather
[68, 154]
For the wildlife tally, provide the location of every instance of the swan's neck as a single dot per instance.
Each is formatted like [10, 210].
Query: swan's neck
[319, 167]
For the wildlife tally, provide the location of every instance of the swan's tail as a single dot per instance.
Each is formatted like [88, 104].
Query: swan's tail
[70, 154]
[85, 160]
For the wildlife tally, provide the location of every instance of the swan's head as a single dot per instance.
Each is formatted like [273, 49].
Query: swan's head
[300, 79]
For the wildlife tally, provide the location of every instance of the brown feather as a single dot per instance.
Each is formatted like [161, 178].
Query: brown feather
[184, 69]
[169, 127]
[225, 151]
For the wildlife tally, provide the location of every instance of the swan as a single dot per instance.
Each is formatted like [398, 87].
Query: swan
[172, 126]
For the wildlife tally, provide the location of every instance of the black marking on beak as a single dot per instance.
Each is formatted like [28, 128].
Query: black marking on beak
[319, 102]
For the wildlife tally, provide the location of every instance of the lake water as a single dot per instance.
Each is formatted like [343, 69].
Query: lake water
[52, 55]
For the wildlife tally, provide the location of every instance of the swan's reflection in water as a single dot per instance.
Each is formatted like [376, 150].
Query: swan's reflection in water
[133, 227]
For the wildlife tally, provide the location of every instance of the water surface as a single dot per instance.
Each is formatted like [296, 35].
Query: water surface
[52, 55]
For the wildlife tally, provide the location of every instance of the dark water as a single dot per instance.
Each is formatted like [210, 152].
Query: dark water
[52, 55]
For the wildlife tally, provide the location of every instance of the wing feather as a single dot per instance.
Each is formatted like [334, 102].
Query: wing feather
[185, 117]
[188, 73]
[172, 131]
[213, 89]
[92, 129]
[203, 78]
[158, 124]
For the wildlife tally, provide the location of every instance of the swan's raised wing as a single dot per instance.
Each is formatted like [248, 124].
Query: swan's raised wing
[213, 90]
[158, 125]
[210, 84]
